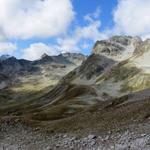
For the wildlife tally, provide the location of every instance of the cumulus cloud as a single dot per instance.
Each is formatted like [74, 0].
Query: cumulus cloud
[80, 37]
[24, 19]
[36, 50]
[89, 17]
[74, 42]
[48, 18]
[132, 17]
[68, 44]
[7, 47]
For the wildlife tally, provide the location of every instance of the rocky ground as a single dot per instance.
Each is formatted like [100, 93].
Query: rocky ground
[20, 137]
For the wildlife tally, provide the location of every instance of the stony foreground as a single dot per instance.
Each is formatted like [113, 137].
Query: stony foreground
[19, 137]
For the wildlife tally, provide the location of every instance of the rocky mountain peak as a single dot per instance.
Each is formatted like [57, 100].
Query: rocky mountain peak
[117, 47]
[44, 56]
[4, 57]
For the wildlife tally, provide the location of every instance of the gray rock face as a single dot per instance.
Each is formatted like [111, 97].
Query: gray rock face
[142, 48]
[74, 57]
[94, 66]
[117, 47]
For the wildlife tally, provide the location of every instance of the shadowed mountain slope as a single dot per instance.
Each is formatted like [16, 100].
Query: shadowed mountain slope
[109, 90]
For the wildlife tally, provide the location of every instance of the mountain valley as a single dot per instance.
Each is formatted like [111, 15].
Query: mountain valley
[106, 94]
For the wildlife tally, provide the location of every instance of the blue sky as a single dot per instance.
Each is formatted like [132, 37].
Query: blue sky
[30, 28]
[83, 7]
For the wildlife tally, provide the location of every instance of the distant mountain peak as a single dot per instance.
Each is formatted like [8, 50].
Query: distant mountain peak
[4, 57]
[46, 58]
[44, 55]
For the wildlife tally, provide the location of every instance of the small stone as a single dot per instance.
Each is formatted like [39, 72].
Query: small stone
[57, 145]
[143, 134]
[57, 136]
[92, 137]
[73, 138]
[48, 148]
[65, 136]
[93, 143]
[71, 147]
[36, 129]
[112, 147]
[107, 137]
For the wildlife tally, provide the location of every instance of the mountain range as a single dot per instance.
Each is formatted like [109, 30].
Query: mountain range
[106, 91]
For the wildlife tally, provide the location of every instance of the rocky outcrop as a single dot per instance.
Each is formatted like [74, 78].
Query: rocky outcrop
[90, 69]
[117, 47]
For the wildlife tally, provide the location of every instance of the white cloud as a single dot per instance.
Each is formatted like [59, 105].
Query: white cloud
[78, 39]
[25, 19]
[70, 42]
[7, 48]
[91, 31]
[85, 45]
[132, 17]
[36, 50]
[95, 15]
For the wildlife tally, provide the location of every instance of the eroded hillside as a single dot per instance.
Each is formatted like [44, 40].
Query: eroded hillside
[109, 91]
